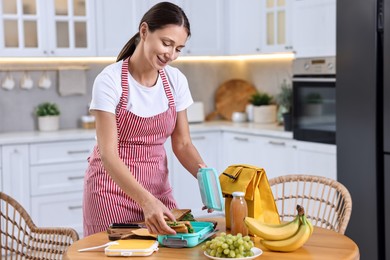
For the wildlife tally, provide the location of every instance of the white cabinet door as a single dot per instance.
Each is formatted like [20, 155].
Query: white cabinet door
[243, 27]
[116, 23]
[278, 157]
[185, 186]
[207, 27]
[276, 17]
[16, 177]
[57, 178]
[240, 149]
[71, 28]
[206, 22]
[47, 28]
[59, 210]
[22, 28]
[275, 155]
[314, 28]
[316, 159]
[60, 152]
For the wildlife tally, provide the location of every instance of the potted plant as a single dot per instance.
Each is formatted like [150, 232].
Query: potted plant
[48, 116]
[313, 104]
[284, 99]
[264, 111]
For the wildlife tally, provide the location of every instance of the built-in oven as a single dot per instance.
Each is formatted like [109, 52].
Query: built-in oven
[314, 99]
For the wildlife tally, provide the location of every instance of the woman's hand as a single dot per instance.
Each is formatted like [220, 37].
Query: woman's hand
[154, 212]
[208, 210]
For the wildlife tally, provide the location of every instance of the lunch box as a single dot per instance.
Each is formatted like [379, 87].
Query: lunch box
[131, 247]
[202, 231]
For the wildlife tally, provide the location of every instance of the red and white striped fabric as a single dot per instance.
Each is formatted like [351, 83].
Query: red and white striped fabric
[141, 147]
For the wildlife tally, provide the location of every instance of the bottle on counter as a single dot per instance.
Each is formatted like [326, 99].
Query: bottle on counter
[238, 212]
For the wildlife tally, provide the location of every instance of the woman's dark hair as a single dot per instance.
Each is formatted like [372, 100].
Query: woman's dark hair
[157, 17]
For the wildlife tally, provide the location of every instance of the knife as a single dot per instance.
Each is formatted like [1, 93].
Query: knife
[127, 225]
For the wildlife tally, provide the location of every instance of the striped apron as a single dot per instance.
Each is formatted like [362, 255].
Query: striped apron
[141, 147]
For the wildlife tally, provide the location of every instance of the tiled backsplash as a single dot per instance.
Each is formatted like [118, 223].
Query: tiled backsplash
[17, 105]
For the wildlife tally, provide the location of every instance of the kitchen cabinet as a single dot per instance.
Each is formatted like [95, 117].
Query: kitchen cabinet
[206, 23]
[57, 175]
[207, 27]
[314, 28]
[16, 173]
[279, 156]
[47, 179]
[239, 148]
[243, 27]
[276, 28]
[316, 159]
[275, 155]
[185, 186]
[115, 25]
[47, 28]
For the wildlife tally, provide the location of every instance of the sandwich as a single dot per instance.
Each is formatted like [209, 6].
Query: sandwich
[181, 226]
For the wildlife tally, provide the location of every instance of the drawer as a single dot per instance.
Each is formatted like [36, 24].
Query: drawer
[57, 152]
[56, 178]
[62, 210]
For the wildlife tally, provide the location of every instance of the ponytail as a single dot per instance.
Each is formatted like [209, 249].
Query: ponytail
[129, 48]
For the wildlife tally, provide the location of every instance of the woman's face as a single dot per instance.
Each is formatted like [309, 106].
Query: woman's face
[164, 45]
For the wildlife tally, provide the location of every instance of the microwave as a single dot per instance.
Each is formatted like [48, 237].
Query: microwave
[314, 100]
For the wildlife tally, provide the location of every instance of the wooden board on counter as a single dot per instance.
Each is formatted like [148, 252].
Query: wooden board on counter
[231, 96]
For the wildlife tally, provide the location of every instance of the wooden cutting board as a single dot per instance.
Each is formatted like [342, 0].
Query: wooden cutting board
[231, 96]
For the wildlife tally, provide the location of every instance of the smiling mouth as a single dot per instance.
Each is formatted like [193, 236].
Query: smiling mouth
[162, 61]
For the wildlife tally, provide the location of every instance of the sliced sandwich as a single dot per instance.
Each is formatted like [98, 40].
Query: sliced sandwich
[181, 226]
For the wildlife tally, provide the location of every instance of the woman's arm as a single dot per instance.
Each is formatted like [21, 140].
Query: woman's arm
[182, 145]
[154, 210]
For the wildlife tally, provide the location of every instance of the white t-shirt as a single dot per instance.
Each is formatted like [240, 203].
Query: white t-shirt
[143, 101]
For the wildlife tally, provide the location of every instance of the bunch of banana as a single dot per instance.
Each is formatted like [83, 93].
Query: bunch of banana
[284, 237]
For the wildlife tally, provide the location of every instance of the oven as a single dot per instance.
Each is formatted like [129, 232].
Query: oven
[314, 99]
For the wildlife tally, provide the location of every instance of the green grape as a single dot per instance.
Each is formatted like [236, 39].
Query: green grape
[229, 246]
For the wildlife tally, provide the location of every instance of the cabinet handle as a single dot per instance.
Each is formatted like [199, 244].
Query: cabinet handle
[75, 207]
[277, 143]
[79, 151]
[198, 138]
[241, 139]
[72, 178]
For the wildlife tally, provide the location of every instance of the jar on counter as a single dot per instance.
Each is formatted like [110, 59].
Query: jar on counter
[238, 212]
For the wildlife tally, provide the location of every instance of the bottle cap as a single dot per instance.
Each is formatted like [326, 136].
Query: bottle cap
[238, 194]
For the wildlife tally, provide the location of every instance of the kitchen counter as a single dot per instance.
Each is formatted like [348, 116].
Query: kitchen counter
[271, 130]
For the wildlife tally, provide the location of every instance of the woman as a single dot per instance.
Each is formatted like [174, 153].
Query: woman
[139, 102]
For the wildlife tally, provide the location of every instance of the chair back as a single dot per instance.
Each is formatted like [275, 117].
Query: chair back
[22, 239]
[327, 202]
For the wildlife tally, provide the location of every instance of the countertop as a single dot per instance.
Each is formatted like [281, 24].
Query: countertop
[271, 130]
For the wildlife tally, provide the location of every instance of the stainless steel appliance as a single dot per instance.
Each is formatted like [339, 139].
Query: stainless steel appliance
[363, 120]
[314, 99]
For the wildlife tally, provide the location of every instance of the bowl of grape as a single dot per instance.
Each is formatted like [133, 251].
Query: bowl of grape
[231, 246]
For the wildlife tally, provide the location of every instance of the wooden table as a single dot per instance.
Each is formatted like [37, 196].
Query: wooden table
[323, 244]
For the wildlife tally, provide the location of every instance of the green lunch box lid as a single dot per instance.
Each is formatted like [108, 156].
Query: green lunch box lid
[210, 188]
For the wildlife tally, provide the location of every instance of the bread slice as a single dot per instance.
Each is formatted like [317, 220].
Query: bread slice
[180, 213]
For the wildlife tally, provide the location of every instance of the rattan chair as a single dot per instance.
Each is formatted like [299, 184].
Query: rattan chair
[327, 202]
[22, 239]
